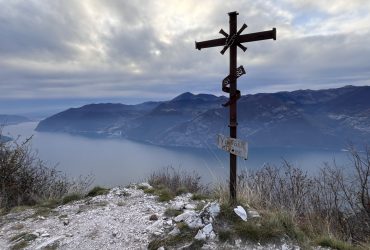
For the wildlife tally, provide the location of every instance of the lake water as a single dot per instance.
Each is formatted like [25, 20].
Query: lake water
[120, 162]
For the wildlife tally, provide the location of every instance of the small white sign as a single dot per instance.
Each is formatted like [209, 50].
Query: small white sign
[232, 145]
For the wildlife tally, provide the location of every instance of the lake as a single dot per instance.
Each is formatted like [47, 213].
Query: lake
[120, 162]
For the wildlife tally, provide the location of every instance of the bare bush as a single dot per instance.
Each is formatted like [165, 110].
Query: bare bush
[176, 181]
[333, 201]
[26, 180]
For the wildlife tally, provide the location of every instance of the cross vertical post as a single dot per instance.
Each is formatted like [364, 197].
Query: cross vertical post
[233, 107]
[229, 85]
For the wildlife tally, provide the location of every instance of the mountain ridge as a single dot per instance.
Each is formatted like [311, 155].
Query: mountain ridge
[327, 118]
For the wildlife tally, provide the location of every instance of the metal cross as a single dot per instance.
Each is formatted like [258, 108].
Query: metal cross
[229, 84]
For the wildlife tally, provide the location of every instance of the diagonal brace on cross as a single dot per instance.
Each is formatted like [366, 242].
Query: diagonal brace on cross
[230, 39]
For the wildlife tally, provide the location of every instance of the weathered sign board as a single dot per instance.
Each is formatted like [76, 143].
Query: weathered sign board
[233, 146]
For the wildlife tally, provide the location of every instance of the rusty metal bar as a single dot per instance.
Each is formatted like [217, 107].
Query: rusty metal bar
[251, 37]
[233, 107]
[210, 43]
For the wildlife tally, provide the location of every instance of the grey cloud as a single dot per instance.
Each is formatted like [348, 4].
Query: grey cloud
[85, 56]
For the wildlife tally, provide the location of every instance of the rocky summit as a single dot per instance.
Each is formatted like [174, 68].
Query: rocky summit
[125, 218]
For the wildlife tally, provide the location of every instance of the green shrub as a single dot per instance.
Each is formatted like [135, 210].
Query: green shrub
[97, 190]
[225, 235]
[70, 198]
[170, 212]
[198, 197]
[335, 244]
[165, 195]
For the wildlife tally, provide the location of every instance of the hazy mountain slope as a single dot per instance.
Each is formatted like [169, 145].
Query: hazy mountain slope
[152, 127]
[327, 118]
[12, 119]
[93, 118]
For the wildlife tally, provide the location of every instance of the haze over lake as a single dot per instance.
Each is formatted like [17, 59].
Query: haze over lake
[120, 162]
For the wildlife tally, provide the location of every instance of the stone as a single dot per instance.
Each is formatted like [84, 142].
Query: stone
[157, 233]
[205, 233]
[145, 185]
[194, 222]
[178, 205]
[212, 235]
[253, 213]
[240, 211]
[214, 209]
[153, 217]
[184, 216]
[169, 222]
[160, 248]
[208, 229]
[190, 206]
[51, 243]
[45, 235]
[191, 218]
[65, 222]
[200, 235]
[174, 231]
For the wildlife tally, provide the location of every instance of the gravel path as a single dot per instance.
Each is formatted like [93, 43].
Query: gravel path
[119, 220]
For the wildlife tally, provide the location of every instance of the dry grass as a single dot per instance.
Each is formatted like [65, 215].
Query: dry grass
[28, 181]
[334, 202]
[168, 183]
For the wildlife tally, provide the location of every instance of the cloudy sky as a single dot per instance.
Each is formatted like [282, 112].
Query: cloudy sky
[144, 50]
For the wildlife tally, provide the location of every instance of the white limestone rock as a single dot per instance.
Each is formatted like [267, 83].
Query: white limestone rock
[205, 233]
[184, 216]
[190, 206]
[178, 205]
[214, 209]
[174, 232]
[240, 211]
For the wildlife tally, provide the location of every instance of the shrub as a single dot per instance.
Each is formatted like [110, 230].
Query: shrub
[71, 197]
[97, 190]
[26, 180]
[170, 212]
[334, 244]
[173, 182]
[335, 201]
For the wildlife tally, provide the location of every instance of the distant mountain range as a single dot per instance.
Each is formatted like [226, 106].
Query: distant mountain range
[12, 119]
[329, 118]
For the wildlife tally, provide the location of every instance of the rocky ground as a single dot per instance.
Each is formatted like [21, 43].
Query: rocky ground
[125, 218]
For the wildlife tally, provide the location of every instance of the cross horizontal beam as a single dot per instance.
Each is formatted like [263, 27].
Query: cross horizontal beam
[251, 37]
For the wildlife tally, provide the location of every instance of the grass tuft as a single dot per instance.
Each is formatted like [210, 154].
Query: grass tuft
[97, 190]
[335, 244]
[186, 236]
[71, 197]
[199, 196]
[168, 183]
[170, 212]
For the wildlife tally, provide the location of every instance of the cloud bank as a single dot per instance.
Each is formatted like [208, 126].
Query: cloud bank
[145, 49]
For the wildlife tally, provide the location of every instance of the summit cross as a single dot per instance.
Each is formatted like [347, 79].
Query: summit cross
[231, 41]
